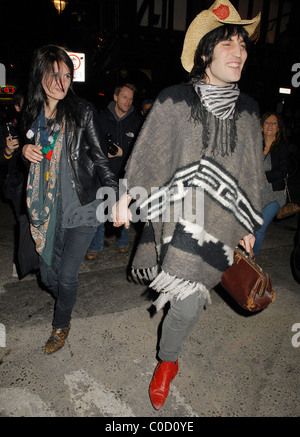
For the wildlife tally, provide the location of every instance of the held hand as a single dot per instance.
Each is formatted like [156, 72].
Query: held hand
[248, 242]
[11, 145]
[32, 153]
[121, 214]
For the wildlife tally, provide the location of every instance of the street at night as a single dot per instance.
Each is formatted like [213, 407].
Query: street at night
[235, 363]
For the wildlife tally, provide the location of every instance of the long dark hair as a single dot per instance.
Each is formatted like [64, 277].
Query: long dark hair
[207, 44]
[280, 137]
[43, 65]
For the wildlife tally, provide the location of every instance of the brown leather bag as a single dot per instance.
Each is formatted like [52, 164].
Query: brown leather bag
[247, 283]
[288, 210]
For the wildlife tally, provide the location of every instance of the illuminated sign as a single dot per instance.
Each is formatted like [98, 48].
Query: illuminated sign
[7, 90]
[78, 60]
[285, 90]
[2, 75]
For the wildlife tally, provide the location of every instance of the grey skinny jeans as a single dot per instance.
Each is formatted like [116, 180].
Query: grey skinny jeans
[178, 324]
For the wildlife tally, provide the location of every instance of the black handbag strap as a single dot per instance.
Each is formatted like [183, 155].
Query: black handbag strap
[287, 189]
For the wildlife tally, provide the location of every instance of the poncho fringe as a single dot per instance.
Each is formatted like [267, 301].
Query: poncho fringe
[170, 286]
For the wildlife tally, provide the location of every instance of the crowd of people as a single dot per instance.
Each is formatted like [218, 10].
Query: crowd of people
[205, 134]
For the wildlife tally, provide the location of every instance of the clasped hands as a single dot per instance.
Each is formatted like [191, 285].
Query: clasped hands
[121, 213]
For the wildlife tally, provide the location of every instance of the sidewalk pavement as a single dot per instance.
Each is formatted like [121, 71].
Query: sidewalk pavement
[235, 364]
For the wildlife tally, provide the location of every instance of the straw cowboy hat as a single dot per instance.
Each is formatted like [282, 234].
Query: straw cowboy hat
[221, 12]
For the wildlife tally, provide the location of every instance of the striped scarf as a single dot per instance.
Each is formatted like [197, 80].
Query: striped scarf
[219, 100]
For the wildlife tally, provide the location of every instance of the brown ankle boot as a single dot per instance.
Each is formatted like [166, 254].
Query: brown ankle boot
[56, 340]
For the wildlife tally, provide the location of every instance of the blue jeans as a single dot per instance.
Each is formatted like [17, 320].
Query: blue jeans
[268, 212]
[62, 280]
[123, 240]
[98, 240]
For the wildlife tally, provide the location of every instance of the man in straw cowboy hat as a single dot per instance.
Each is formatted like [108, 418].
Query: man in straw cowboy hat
[203, 137]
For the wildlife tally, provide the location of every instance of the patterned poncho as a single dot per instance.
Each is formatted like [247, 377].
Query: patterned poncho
[198, 181]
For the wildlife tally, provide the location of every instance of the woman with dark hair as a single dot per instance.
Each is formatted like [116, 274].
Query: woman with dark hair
[276, 169]
[67, 168]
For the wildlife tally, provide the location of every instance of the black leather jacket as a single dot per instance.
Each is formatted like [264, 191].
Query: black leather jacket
[89, 166]
[279, 161]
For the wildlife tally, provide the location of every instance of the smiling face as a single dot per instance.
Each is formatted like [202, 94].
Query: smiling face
[56, 84]
[270, 127]
[229, 57]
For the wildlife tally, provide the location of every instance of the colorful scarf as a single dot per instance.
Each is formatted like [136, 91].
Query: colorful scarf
[43, 187]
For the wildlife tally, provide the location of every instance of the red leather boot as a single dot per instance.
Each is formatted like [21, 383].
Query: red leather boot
[164, 373]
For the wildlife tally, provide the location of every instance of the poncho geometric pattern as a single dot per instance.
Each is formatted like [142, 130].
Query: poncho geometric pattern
[183, 253]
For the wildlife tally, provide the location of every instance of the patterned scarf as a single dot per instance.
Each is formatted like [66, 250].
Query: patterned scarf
[219, 100]
[43, 188]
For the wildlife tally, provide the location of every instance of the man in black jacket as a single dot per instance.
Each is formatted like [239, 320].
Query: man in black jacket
[120, 124]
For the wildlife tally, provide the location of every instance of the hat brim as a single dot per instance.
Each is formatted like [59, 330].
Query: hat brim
[204, 23]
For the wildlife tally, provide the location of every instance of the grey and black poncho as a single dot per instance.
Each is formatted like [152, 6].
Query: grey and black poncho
[187, 159]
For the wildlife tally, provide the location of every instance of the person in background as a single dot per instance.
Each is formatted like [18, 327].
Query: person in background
[119, 125]
[13, 166]
[67, 168]
[10, 154]
[275, 150]
[146, 107]
[201, 143]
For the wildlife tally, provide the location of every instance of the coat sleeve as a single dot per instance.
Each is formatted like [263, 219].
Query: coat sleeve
[279, 165]
[98, 156]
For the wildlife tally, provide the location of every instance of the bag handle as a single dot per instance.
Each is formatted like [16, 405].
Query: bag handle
[247, 254]
[287, 192]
